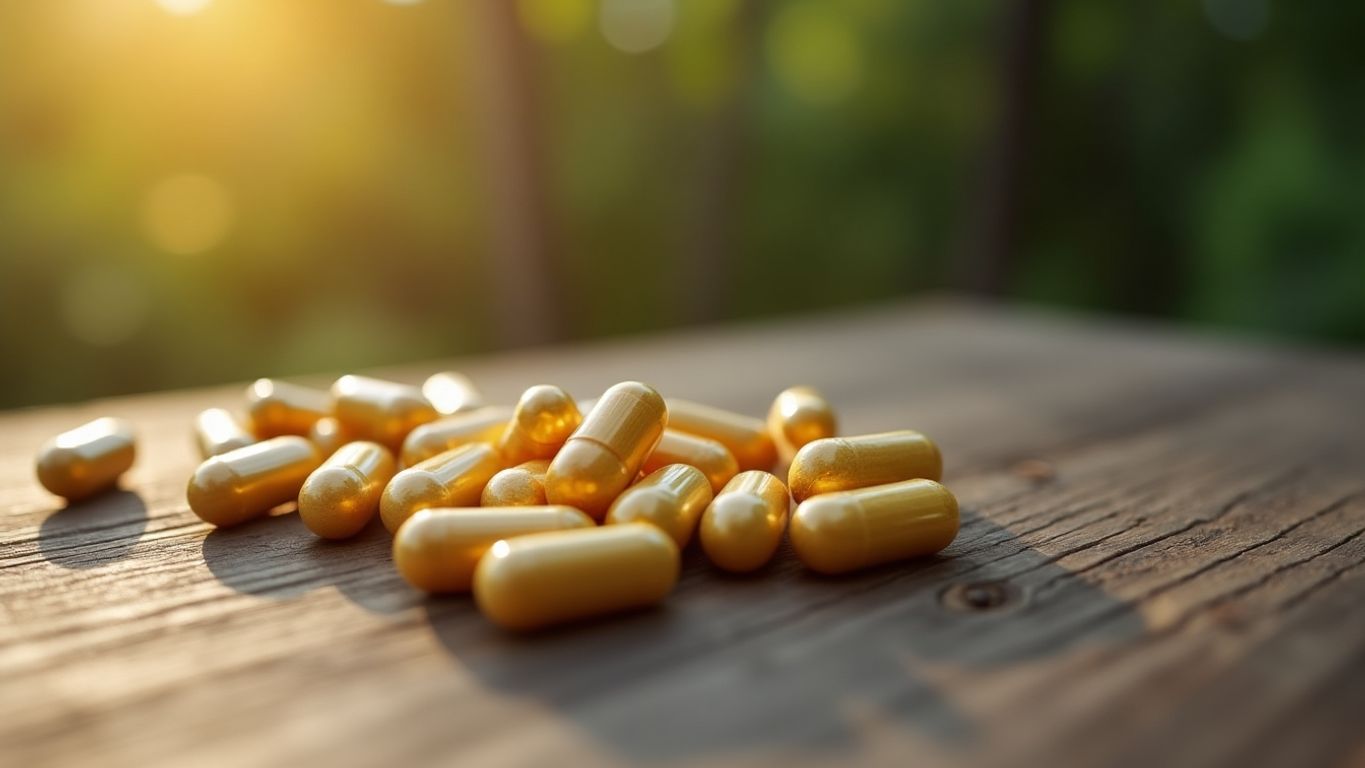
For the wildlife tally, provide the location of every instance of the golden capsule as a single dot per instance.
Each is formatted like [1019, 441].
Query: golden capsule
[542, 579]
[742, 528]
[745, 437]
[436, 549]
[277, 408]
[713, 459]
[455, 478]
[519, 486]
[844, 463]
[671, 498]
[845, 531]
[237, 486]
[218, 431]
[342, 495]
[605, 453]
[378, 410]
[328, 435]
[450, 392]
[83, 461]
[544, 418]
[798, 416]
[482, 425]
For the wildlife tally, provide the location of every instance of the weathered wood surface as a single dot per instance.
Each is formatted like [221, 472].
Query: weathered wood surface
[1186, 589]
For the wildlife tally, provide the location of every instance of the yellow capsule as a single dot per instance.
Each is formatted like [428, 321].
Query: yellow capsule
[278, 408]
[844, 463]
[671, 498]
[845, 531]
[455, 478]
[745, 437]
[218, 431]
[519, 486]
[544, 418]
[798, 416]
[713, 459]
[328, 435]
[342, 495]
[605, 453]
[436, 549]
[742, 528]
[450, 392]
[378, 410]
[542, 579]
[88, 459]
[237, 486]
[483, 425]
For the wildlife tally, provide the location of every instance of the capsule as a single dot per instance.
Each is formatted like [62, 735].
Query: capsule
[278, 408]
[81, 462]
[713, 459]
[742, 528]
[378, 410]
[483, 425]
[542, 579]
[605, 453]
[845, 531]
[436, 549]
[671, 498]
[845, 463]
[450, 392]
[455, 478]
[237, 486]
[544, 418]
[519, 486]
[342, 495]
[798, 416]
[218, 431]
[745, 437]
[328, 435]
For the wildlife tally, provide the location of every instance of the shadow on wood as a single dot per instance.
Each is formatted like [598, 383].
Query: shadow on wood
[95, 531]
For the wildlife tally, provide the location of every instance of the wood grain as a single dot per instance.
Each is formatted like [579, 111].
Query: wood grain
[1172, 578]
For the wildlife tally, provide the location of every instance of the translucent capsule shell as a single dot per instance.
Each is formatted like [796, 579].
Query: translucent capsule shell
[841, 532]
[328, 435]
[450, 392]
[746, 438]
[482, 425]
[544, 418]
[671, 498]
[742, 528]
[455, 478]
[436, 550]
[519, 486]
[278, 408]
[237, 486]
[543, 579]
[606, 452]
[381, 411]
[800, 415]
[845, 463]
[713, 459]
[342, 495]
[217, 431]
[84, 461]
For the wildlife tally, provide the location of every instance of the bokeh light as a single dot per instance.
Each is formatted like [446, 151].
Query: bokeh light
[104, 305]
[815, 52]
[555, 21]
[636, 26]
[187, 214]
[184, 7]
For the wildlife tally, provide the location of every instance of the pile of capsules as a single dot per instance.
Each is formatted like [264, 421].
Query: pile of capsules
[547, 514]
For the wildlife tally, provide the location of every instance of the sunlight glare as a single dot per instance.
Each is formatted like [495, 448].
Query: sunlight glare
[183, 7]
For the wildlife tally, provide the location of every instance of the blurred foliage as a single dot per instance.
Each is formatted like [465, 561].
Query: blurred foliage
[194, 191]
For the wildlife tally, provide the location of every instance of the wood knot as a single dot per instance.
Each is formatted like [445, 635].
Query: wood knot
[979, 596]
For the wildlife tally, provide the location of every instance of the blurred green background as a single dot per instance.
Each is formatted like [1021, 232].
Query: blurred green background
[198, 191]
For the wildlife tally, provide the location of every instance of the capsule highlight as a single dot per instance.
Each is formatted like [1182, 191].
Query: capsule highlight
[745, 437]
[713, 459]
[87, 460]
[846, 531]
[742, 528]
[278, 408]
[381, 411]
[342, 496]
[328, 435]
[218, 431]
[845, 463]
[519, 486]
[544, 418]
[237, 486]
[800, 415]
[482, 425]
[455, 478]
[605, 453]
[672, 498]
[450, 392]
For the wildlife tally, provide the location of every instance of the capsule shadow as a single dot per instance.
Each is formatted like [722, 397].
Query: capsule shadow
[94, 531]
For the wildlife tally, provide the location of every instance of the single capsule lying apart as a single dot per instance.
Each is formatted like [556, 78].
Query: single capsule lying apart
[237, 486]
[519, 486]
[747, 438]
[713, 459]
[81, 462]
[671, 498]
[218, 431]
[455, 478]
[450, 392]
[382, 411]
[482, 425]
[544, 418]
[605, 453]
[742, 528]
[277, 408]
[841, 532]
[798, 416]
[436, 549]
[542, 579]
[342, 495]
[844, 463]
[328, 435]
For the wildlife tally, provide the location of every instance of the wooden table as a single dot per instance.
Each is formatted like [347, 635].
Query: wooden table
[1160, 564]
